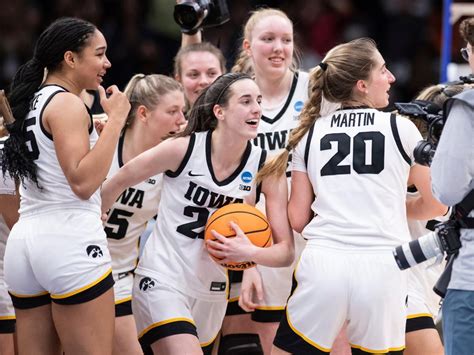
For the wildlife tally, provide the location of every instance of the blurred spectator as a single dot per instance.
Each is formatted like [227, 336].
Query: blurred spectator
[142, 36]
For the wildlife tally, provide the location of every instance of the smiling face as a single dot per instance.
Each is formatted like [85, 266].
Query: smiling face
[379, 83]
[198, 71]
[92, 63]
[271, 45]
[167, 117]
[242, 112]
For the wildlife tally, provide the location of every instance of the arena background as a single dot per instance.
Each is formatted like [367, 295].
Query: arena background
[143, 37]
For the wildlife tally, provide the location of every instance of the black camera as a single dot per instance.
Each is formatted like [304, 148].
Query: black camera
[192, 15]
[434, 117]
[444, 240]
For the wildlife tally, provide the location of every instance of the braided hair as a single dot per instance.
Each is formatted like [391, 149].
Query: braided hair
[65, 34]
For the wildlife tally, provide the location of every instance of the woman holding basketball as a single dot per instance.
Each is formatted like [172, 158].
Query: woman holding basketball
[180, 293]
[350, 170]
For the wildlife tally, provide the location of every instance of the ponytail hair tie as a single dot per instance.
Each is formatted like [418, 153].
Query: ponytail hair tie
[323, 66]
[288, 148]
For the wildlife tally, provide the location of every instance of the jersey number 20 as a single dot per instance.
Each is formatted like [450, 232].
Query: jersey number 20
[361, 140]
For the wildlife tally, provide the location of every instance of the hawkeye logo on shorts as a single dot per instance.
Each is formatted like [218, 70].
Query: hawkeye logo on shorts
[146, 283]
[246, 176]
[94, 251]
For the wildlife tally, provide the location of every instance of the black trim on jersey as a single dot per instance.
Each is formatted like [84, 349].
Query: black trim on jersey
[123, 309]
[88, 294]
[287, 103]
[286, 339]
[308, 145]
[396, 136]
[45, 132]
[165, 330]
[357, 351]
[30, 302]
[237, 171]
[268, 315]
[233, 309]
[120, 149]
[419, 323]
[173, 174]
[7, 326]
[263, 158]
[91, 123]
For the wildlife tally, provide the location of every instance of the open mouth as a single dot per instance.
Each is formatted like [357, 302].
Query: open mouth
[252, 122]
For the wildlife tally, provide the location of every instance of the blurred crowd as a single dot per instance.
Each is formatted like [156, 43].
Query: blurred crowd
[143, 37]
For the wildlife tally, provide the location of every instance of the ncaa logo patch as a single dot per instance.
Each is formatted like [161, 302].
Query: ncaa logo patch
[298, 106]
[94, 251]
[146, 283]
[246, 176]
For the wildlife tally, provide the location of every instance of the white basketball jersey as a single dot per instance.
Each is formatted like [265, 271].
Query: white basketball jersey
[358, 161]
[7, 187]
[129, 215]
[275, 126]
[175, 253]
[54, 192]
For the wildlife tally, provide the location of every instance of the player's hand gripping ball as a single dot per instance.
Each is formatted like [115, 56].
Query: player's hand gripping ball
[250, 220]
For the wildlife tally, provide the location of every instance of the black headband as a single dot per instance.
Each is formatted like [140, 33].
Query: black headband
[224, 89]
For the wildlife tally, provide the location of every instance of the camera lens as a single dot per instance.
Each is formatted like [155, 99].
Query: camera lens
[417, 251]
[189, 15]
[187, 18]
[423, 153]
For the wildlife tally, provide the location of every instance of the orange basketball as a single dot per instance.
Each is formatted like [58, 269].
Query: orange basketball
[252, 222]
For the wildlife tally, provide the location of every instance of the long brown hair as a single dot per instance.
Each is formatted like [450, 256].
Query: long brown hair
[335, 78]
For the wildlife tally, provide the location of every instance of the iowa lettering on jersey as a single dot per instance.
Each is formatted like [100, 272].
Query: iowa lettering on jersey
[132, 197]
[272, 140]
[202, 197]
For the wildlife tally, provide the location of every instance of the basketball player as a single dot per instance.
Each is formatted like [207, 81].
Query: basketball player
[9, 203]
[157, 111]
[196, 66]
[180, 293]
[268, 53]
[349, 178]
[57, 264]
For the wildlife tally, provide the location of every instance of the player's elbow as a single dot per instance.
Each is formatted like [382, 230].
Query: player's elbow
[82, 192]
[297, 222]
[290, 256]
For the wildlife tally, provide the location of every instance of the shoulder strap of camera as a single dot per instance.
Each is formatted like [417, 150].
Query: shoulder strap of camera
[462, 210]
